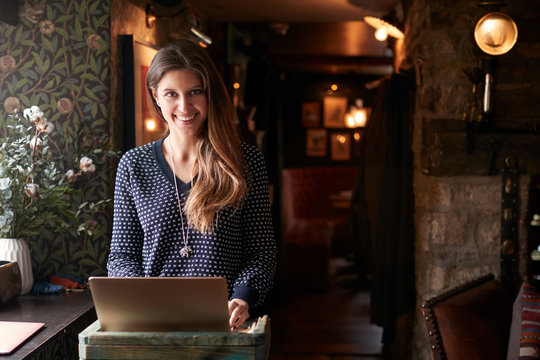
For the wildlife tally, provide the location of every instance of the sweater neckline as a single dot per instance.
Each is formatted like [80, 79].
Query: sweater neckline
[157, 148]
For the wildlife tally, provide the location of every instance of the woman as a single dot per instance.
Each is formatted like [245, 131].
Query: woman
[215, 219]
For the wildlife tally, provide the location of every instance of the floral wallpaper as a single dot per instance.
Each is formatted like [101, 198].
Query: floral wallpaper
[58, 58]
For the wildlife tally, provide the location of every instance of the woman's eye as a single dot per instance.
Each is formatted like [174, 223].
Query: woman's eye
[196, 92]
[170, 94]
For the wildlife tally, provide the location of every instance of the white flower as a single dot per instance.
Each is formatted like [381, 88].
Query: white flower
[33, 114]
[86, 165]
[70, 174]
[31, 189]
[4, 183]
[49, 129]
[90, 169]
[42, 125]
[27, 112]
[35, 142]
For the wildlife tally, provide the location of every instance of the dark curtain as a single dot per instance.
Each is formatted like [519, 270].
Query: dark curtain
[382, 204]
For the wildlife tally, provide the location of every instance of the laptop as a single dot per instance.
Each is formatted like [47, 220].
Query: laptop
[196, 304]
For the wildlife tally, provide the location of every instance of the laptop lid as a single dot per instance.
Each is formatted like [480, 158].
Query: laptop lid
[161, 303]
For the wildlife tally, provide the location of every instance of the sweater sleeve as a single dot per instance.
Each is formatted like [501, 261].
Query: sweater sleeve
[125, 258]
[259, 247]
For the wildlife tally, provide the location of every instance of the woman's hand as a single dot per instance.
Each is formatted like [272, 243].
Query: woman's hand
[238, 312]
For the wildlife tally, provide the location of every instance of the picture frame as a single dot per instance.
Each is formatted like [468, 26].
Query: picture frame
[335, 108]
[141, 124]
[311, 114]
[316, 142]
[340, 146]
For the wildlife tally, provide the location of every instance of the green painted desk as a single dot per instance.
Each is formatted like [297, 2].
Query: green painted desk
[97, 344]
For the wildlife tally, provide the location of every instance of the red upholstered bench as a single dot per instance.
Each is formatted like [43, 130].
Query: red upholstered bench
[313, 219]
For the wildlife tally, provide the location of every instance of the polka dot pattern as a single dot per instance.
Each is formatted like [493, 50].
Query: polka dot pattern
[147, 228]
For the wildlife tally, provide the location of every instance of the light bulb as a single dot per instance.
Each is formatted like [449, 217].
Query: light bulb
[150, 124]
[360, 117]
[350, 122]
[381, 34]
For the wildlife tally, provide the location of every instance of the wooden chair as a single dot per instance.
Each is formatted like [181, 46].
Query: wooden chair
[470, 322]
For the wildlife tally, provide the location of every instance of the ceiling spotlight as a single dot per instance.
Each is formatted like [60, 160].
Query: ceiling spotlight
[204, 40]
[384, 24]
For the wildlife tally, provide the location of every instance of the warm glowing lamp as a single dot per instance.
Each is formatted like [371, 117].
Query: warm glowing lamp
[150, 124]
[360, 117]
[495, 34]
[381, 26]
[357, 115]
[349, 120]
[381, 34]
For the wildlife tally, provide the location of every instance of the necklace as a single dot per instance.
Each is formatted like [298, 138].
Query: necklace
[186, 251]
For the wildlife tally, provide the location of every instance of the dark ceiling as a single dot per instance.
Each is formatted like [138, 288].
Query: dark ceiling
[321, 35]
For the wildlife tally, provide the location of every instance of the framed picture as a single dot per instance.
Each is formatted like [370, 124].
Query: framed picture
[141, 124]
[340, 146]
[334, 108]
[316, 142]
[311, 114]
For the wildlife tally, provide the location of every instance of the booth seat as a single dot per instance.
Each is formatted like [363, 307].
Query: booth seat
[316, 206]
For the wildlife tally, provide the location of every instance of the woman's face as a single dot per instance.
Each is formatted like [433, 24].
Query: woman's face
[183, 102]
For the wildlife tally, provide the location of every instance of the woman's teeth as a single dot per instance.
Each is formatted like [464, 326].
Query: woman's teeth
[185, 118]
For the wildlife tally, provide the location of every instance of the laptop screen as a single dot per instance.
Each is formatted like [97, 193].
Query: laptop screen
[161, 303]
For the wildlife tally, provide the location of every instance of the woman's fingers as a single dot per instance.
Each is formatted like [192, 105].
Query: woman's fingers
[238, 312]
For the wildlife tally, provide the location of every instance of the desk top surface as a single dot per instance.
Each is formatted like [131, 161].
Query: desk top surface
[56, 311]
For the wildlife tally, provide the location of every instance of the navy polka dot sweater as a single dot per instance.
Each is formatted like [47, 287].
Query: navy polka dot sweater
[147, 229]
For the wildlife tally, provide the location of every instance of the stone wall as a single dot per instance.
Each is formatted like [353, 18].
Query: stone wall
[458, 197]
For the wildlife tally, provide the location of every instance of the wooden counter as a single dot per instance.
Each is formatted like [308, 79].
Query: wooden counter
[64, 315]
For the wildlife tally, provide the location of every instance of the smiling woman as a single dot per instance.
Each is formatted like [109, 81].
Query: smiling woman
[196, 202]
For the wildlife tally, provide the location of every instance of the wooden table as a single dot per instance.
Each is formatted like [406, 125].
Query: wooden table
[64, 315]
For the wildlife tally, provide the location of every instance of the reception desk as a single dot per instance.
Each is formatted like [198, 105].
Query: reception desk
[64, 315]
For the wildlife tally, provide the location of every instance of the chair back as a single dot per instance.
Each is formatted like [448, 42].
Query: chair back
[470, 322]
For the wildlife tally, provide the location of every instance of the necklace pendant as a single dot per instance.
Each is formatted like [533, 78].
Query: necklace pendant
[186, 251]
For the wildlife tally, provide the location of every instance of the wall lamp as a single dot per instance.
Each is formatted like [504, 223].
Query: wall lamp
[151, 17]
[204, 40]
[358, 115]
[495, 34]
[384, 27]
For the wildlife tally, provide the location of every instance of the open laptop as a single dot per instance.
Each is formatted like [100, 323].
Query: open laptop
[161, 303]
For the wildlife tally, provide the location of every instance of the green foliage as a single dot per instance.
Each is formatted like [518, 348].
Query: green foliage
[37, 191]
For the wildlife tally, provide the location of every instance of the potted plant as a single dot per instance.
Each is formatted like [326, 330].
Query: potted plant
[37, 187]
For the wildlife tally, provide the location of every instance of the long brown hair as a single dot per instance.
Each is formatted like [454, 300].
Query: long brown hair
[221, 181]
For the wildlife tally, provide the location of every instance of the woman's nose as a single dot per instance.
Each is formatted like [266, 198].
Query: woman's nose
[183, 103]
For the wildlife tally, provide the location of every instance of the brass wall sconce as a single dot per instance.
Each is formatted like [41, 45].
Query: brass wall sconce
[495, 34]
